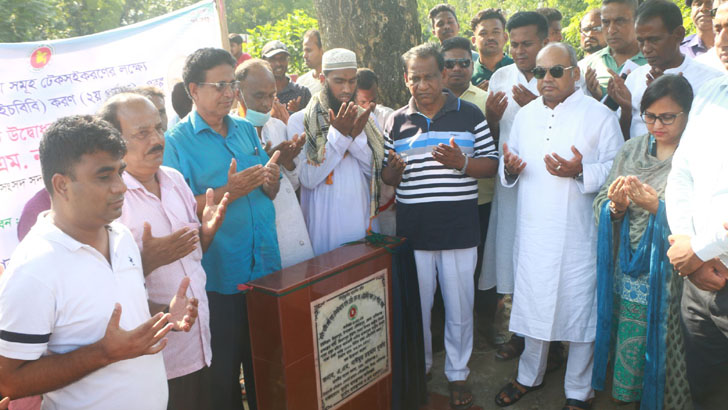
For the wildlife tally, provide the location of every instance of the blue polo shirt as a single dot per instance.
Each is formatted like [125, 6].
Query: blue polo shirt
[246, 245]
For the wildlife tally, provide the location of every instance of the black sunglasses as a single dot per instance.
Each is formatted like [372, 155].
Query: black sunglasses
[462, 62]
[556, 71]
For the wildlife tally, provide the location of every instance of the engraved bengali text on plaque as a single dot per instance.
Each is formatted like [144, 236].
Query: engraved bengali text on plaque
[351, 340]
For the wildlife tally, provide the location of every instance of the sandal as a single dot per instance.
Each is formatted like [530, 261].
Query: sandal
[556, 357]
[464, 395]
[512, 349]
[514, 391]
[573, 404]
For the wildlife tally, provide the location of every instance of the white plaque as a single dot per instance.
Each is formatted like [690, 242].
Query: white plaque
[351, 340]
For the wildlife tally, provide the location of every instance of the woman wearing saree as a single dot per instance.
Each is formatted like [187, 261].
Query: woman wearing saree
[638, 294]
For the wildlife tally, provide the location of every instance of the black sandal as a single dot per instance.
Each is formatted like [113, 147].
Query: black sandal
[512, 349]
[514, 391]
[573, 404]
[464, 395]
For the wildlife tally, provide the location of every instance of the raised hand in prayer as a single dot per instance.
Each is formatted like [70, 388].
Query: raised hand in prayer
[183, 310]
[244, 182]
[641, 194]
[164, 250]
[361, 120]
[560, 167]
[483, 85]
[523, 95]
[343, 121]
[212, 217]
[5, 403]
[268, 148]
[294, 105]
[682, 256]
[280, 111]
[495, 106]
[512, 163]
[619, 92]
[289, 150]
[710, 276]
[449, 155]
[618, 196]
[392, 173]
[272, 176]
[148, 338]
[592, 83]
[653, 74]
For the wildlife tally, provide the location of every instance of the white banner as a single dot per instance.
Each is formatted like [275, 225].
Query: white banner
[42, 81]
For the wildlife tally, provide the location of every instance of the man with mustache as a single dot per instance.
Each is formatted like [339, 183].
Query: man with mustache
[445, 23]
[489, 37]
[75, 322]
[161, 212]
[591, 35]
[293, 96]
[213, 149]
[703, 38]
[622, 50]
[715, 56]
[340, 178]
[659, 33]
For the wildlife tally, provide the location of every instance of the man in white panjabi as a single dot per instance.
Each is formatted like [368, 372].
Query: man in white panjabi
[340, 178]
[560, 152]
[257, 93]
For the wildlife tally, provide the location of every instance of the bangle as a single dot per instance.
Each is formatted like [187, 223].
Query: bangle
[465, 166]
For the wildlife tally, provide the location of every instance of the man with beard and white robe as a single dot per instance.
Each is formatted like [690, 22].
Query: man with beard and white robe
[340, 178]
[554, 253]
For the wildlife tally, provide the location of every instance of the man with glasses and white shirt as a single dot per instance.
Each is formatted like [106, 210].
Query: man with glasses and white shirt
[559, 154]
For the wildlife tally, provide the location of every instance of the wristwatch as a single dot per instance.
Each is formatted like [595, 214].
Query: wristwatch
[579, 177]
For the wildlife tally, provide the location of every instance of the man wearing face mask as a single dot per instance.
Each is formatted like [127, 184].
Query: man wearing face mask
[340, 179]
[257, 92]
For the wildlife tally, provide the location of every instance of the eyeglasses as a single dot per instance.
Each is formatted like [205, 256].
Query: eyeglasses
[594, 29]
[665, 119]
[556, 71]
[222, 86]
[462, 62]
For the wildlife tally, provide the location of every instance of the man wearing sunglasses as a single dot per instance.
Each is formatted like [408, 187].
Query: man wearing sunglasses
[213, 149]
[660, 30]
[559, 154]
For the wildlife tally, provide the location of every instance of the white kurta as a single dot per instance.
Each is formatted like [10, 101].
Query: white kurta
[336, 213]
[555, 254]
[696, 73]
[497, 267]
[293, 240]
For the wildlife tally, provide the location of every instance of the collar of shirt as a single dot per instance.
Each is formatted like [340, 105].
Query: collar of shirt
[506, 60]
[50, 231]
[452, 103]
[573, 99]
[694, 42]
[134, 184]
[199, 124]
[605, 55]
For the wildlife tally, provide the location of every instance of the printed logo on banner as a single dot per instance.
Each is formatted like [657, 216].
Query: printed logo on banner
[40, 57]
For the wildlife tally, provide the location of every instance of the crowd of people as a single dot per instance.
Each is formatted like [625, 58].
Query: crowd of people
[593, 191]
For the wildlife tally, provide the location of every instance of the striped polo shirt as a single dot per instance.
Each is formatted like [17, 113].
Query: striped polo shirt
[437, 205]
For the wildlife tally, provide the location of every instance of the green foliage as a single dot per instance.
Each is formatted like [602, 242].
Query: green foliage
[243, 15]
[290, 31]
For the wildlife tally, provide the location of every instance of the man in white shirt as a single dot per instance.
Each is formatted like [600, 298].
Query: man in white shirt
[344, 150]
[659, 33]
[312, 52]
[554, 252]
[258, 90]
[696, 200]
[62, 330]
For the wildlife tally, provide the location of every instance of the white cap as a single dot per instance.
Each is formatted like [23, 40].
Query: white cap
[338, 59]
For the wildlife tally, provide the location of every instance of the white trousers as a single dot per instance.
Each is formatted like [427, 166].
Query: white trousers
[577, 382]
[454, 270]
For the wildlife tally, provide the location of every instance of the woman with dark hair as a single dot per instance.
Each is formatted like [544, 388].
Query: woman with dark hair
[638, 294]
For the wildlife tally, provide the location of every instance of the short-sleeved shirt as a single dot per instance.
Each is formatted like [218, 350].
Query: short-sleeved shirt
[482, 73]
[292, 91]
[246, 245]
[692, 46]
[603, 60]
[186, 352]
[58, 295]
[436, 205]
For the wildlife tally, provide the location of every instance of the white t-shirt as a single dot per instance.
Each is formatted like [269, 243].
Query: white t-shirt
[58, 295]
[693, 71]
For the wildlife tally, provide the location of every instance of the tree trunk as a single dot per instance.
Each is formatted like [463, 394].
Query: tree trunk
[379, 32]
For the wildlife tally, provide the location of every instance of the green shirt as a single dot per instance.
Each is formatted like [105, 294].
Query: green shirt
[481, 72]
[603, 60]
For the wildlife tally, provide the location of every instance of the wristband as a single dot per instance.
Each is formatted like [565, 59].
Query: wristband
[465, 166]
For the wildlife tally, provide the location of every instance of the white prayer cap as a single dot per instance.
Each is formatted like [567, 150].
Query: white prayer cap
[338, 59]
